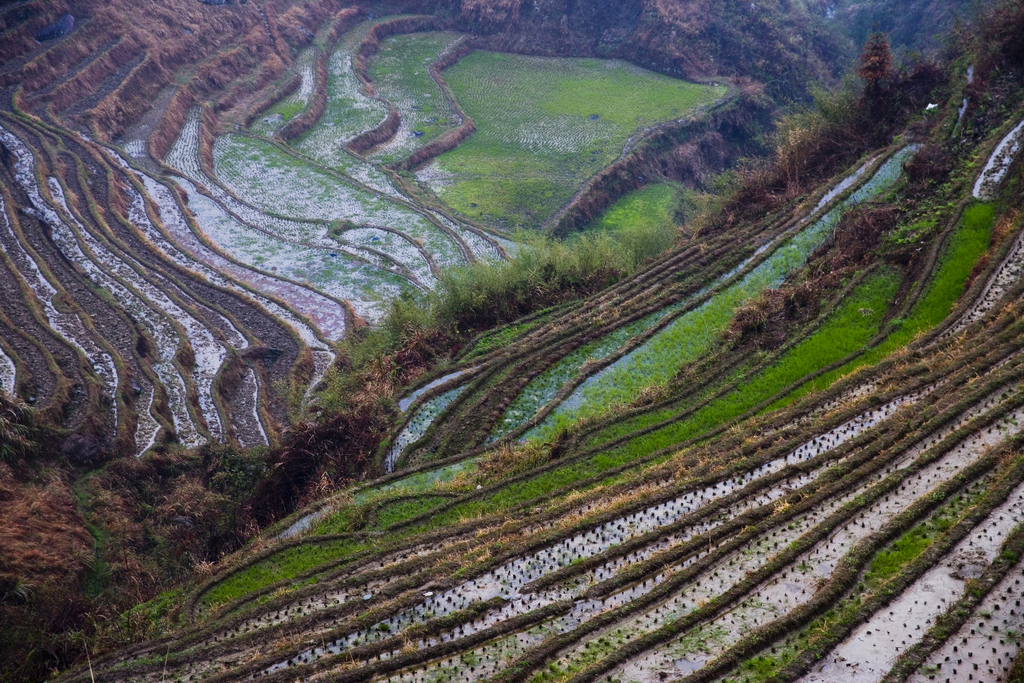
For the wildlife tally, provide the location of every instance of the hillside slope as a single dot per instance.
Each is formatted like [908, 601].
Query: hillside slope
[784, 45]
[786, 449]
[212, 215]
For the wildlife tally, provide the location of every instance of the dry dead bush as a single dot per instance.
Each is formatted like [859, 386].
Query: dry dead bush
[764, 320]
[650, 395]
[510, 459]
[929, 167]
[42, 534]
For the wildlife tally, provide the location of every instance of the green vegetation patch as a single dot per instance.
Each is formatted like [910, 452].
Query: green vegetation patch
[650, 207]
[400, 510]
[968, 244]
[546, 125]
[282, 565]
[846, 330]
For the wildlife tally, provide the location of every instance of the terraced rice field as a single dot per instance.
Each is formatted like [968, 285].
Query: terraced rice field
[691, 335]
[286, 109]
[400, 72]
[156, 378]
[544, 126]
[314, 213]
[349, 111]
[653, 574]
[621, 489]
[281, 214]
[671, 346]
[325, 227]
[719, 513]
[212, 293]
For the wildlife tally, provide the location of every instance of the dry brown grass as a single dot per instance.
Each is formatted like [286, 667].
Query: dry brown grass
[207, 137]
[42, 533]
[436, 148]
[242, 94]
[1006, 224]
[764, 320]
[86, 81]
[364, 142]
[510, 459]
[317, 103]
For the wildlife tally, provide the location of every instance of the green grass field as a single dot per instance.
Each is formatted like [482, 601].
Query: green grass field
[653, 206]
[546, 125]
